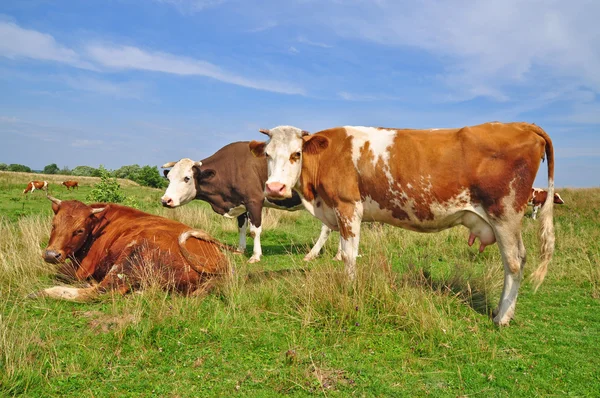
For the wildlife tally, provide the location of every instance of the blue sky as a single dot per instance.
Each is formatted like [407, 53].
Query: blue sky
[118, 82]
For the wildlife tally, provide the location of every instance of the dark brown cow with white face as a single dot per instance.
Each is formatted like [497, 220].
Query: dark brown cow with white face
[232, 181]
[71, 184]
[118, 246]
[537, 198]
[33, 185]
[422, 180]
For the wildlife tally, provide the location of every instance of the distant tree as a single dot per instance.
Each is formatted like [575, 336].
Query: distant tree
[3, 167]
[65, 171]
[84, 171]
[130, 172]
[150, 177]
[18, 167]
[51, 169]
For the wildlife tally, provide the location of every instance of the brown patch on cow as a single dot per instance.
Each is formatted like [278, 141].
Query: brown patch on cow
[257, 148]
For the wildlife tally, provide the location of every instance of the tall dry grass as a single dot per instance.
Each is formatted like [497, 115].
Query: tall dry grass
[15, 177]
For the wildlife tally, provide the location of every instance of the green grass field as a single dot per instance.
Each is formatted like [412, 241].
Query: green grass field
[415, 324]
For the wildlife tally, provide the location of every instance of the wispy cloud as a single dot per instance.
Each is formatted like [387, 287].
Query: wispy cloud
[261, 28]
[366, 97]
[188, 7]
[128, 57]
[86, 143]
[304, 40]
[17, 43]
[26, 43]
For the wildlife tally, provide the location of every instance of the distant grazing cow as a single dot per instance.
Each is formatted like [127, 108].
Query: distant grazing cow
[232, 182]
[33, 185]
[538, 198]
[71, 184]
[422, 180]
[118, 246]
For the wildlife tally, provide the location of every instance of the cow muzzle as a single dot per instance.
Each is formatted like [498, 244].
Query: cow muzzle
[168, 202]
[277, 190]
[52, 256]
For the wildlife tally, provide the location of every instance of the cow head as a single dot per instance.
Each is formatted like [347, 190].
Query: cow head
[558, 199]
[71, 226]
[284, 151]
[183, 179]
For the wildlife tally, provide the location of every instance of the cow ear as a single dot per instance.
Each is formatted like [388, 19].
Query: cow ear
[165, 172]
[206, 174]
[315, 144]
[257, 148]
[55, 207]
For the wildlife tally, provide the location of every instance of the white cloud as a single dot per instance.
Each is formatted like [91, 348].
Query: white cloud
[16, 42]
[191, 6]
[486, 46]
[304, 40]
[365, 97]
[128, 57]
[293, 50]
[263, 27]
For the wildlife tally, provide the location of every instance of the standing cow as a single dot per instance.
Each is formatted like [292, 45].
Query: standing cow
[537, 198]
[71, 184]
[422, 180]
[33, 185]
[232, 182]
[119, 246]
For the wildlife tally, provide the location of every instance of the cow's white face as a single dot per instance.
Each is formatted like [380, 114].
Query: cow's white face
[182, 185]
[284, 160]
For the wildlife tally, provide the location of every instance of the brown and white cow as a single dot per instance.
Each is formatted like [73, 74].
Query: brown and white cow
[118, 246]
[537, 198]
[71, 184]
[33, 185]
[232, 181]
[422, 180]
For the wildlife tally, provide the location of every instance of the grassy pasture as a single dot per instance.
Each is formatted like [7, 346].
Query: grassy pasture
[415, 324]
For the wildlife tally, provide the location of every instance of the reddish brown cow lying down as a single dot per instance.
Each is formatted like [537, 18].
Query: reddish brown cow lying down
[118, 246]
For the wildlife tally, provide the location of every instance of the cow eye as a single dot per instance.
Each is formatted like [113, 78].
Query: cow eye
[298, 154]
[267, 155]
[79, 231]
[186, 179]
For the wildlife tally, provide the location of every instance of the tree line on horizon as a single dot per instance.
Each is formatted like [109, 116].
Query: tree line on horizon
[144, 175]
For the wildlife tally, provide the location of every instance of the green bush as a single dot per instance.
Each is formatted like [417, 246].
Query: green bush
[19, 167]
[107, 190]
[3, 167]
[51, 169]
[86, 171]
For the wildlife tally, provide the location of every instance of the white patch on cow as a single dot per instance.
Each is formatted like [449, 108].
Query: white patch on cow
[62, 292]
[236, 211]
[314, 252]
[349, 245]
[409, 185]
[242, 231]
[182, 187]
[257, 249]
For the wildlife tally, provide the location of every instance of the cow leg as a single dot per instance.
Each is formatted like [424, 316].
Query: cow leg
[242, 225]
[68, 293]
[534, 212]
[513, 254]
[349, 218]
[314, 252]
[255, 213]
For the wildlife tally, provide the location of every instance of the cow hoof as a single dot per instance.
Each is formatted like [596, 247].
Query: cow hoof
[309, 257]
[338, 257]
[253, 260]
[501, 323]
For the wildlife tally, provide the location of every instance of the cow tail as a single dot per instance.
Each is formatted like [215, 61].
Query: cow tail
[192, 259]
[546, 226]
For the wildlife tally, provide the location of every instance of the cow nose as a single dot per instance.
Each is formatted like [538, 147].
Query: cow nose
[275, 188]
[52, 256]
[167, 202]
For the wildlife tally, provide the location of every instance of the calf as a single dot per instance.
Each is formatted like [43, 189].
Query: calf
[33, 185]
[118, 246]
[71, 184]
[232, 182]
[422, 180]
[537, 198]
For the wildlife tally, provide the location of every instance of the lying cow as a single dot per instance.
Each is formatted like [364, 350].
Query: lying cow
[71, 184]
[232, 182]
[538, 197]
[422, 180]
[33, 185]
[117, 246]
